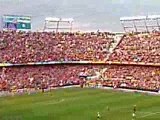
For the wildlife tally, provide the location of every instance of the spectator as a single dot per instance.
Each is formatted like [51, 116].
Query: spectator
[24, 47]
[138, 48]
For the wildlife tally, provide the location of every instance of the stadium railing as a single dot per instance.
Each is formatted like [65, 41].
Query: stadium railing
[81, 62]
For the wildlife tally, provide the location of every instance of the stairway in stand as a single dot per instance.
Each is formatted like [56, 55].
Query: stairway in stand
[117, 40]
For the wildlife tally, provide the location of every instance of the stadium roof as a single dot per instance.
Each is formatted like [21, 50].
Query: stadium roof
[152, 17]
[67, 19]
[133, 18]
[52, 19]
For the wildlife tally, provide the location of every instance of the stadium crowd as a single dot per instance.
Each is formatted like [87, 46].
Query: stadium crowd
[133, 77]
[138, 48]
[50, 76]
[136, 77]
[24, 47]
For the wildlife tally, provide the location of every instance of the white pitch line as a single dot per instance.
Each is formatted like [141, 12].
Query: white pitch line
[51, 103]
[150, 114]
[141, 112]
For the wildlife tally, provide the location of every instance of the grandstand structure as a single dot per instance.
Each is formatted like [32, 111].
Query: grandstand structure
[51, 59]
[141, 23]
[58, 24]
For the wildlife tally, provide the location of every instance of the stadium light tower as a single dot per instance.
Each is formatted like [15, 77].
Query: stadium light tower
[58, 24]
[141, 23]
[155, 18]
[129, 23]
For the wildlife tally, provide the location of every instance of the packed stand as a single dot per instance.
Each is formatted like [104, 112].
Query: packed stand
[49, 76]
[138, 48]
[134, 77]
[24, 47]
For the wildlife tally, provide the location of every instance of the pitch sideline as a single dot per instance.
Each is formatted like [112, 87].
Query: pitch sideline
[149, 114]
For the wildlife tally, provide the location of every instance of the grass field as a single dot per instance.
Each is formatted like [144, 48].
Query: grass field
[80, 104]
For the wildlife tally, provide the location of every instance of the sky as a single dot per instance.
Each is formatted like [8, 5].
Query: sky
[88, 14]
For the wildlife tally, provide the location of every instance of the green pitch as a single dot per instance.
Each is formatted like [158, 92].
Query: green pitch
[80, 104]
